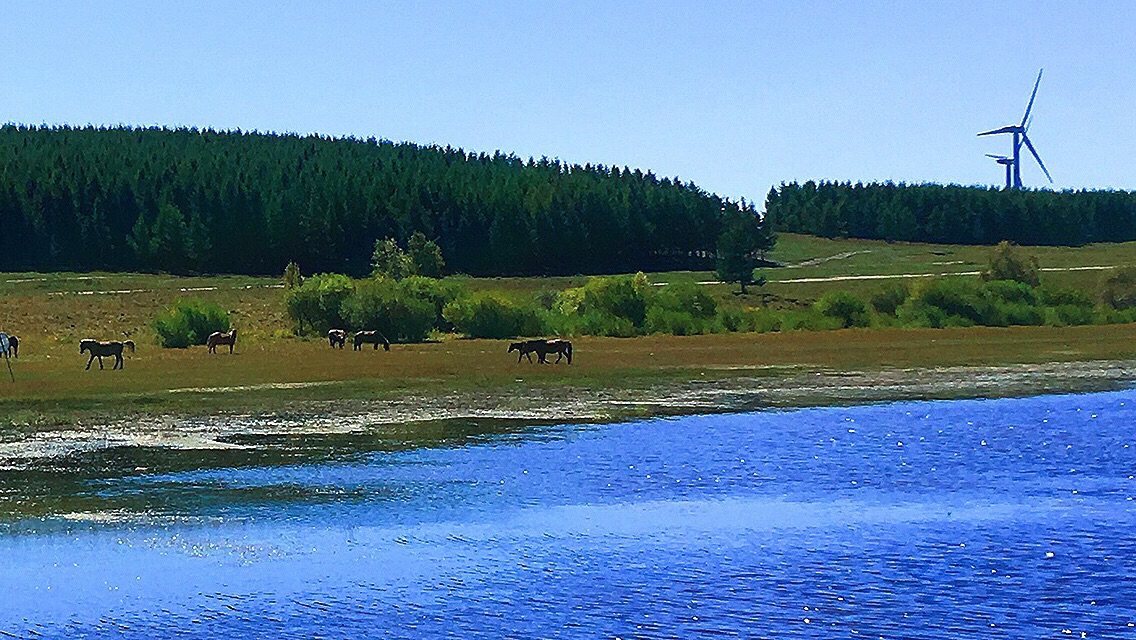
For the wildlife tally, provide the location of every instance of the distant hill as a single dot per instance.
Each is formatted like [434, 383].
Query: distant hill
[952, 214]
[187, 200]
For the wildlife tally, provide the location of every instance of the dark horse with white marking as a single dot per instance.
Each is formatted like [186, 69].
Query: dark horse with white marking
[14, 346]
[99, 349]
[336, 338]
[371, 337]
[217, 338]
[562, 349]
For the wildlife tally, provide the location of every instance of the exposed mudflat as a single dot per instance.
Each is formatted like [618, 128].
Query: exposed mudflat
[736, 390]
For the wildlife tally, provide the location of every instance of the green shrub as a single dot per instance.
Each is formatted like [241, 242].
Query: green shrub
[960, 303]
[1064, 297]
[318, 302]
[189, 322]
[1012, 291]
[888, 299]
[438, 293]
[1119, 288]
[620, 296]
[1069, 315]
[766, 320]
[736, 320]
[845, 307]
[917, 313]
[678, 323]
[380, 304]
[487, 315]
[806, 320]
[1012, 314]
[686, 297]
[590, 324]
[1007, 262]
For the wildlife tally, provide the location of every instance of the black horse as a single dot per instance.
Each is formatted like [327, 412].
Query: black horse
[371, 337]
[100, 349]
[14, 346]
[562, 349]
[336, 338]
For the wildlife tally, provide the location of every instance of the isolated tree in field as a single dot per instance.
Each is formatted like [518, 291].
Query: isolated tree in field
[739, 246]
[425, 256]
[1008, 262]
[390, 260]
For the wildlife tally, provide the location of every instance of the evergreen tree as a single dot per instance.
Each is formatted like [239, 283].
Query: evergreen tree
[738, 247]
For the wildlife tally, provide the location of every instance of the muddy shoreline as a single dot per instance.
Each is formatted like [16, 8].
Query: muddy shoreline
[734, 391]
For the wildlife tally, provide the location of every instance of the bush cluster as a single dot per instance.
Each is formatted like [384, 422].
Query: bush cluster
[404, 310]
[189, 322]
[408, 310]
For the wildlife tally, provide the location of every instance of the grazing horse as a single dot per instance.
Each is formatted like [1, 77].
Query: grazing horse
[371, 337]
[336, 337]
[562, 349]
[217, 338]
[99, 349]
[14, 346]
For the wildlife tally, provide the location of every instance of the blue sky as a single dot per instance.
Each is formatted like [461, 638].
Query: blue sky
[737, 96]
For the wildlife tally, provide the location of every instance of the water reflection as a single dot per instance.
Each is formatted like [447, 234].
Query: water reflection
[1007, 518]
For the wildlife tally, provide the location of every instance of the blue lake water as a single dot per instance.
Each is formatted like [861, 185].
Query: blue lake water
[989, 518]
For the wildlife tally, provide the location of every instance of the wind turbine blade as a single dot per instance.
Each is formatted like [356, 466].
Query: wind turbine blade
[996, 157]
[1007, 129]
[1032, 96]
[1037, 157]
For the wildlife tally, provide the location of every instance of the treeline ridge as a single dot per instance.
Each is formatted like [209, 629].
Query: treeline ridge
[189, 200]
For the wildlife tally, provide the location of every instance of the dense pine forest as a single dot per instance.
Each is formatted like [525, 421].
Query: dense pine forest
[952, 214]
[190, 200]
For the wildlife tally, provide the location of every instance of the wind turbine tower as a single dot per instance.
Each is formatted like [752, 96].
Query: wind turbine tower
[1013, 163]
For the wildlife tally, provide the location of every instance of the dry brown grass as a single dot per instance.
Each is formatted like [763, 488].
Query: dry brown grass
[51, 315]
[53, 387]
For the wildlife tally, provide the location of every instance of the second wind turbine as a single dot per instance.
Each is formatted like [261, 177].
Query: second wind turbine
[1013, 163]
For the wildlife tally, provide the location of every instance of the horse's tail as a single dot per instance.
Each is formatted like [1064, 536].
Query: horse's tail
[568, 351]
[386, 343]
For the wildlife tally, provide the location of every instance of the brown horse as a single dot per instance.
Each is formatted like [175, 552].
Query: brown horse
[336, 338]
[217, 338]
[562, 349]
[371, 337]
[99, 349]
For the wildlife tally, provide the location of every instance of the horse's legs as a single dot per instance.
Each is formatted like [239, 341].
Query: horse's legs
[117, 361]
[100, 362]
[231, 345]
[559, 356]
[90, 360]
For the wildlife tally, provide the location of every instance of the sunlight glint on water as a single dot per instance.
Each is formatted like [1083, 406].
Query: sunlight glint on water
[1002, 518]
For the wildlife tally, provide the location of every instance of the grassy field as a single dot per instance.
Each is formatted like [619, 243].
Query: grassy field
[52, 312]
